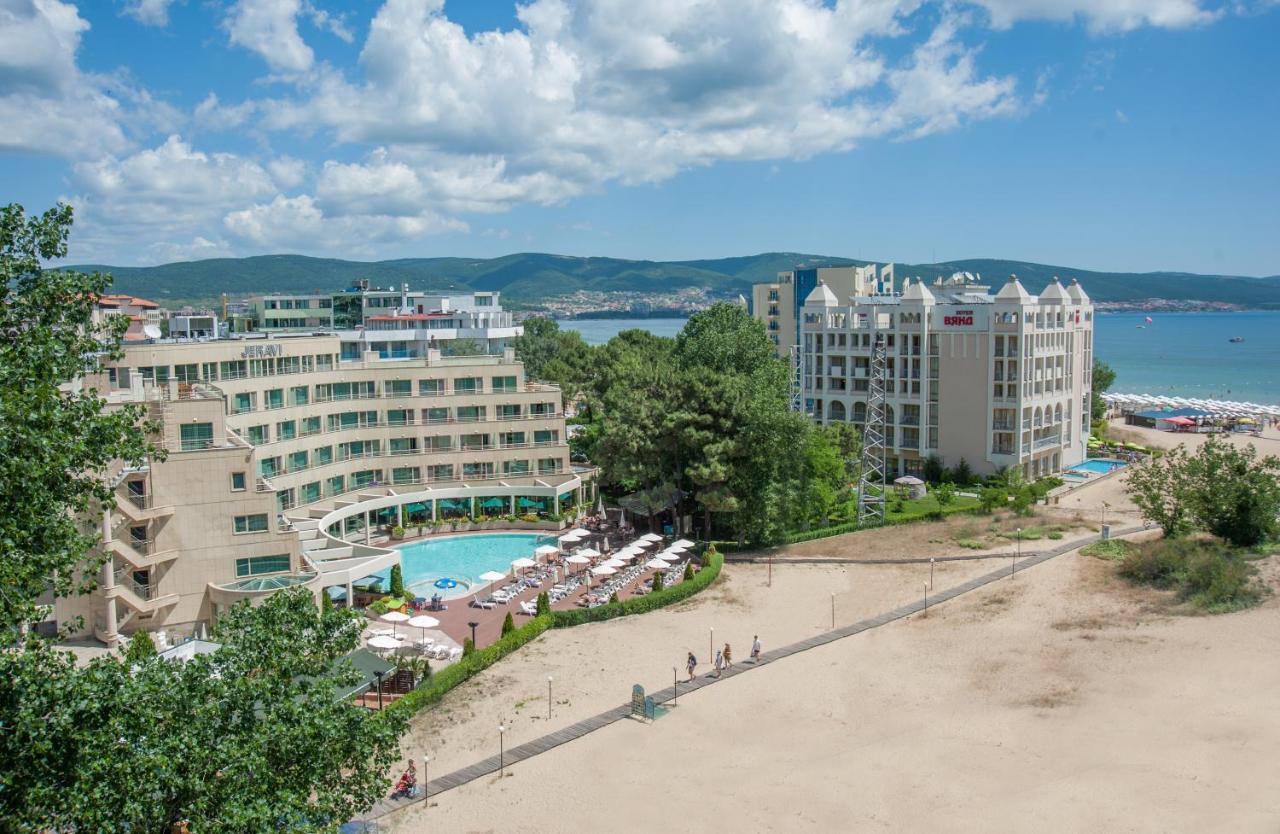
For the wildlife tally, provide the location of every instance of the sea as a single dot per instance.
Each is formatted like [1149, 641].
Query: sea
[1177, 354]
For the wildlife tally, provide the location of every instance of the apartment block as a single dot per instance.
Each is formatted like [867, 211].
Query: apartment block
[1000, 380]
[288, 460]
[778, 303]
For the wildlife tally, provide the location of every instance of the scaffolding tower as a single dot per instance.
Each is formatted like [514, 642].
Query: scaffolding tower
[797, 380]
[872, 471]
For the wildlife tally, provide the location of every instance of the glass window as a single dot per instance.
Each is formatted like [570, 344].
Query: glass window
[237, 482]
[548, 465]
[437, 415]
[406, 475]
[310, 425]
[364, 477]
[258, 435]
[429, 387]
[440, 472]
[515, 467]
[258, 565]
[256, 523]
[186, 373]
[196, 436]
[310, 492]
[399, 387]
[504, 383]
[508, 412]
[324, 455]
[398, 417]
[467, 385]
[404, 445]
[275, 398]
[286, 430]
[298, 461]
[301, 395]
[242, 402]
[268, 467]
[470, 413]
[512, 438]
[439, 443]
[544, 436]
[337, 485]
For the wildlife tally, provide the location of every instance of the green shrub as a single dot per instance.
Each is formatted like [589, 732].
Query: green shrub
[1055, 534]
[1160, 563]
[970, 544]
[544, 604]
[141, 646]
[688, 571]
[613, 597]
[657, 580]
[326, 602]
[1111, 550]
[397, 581]
[508, 624]
[1220, 581]
[468, 648]
[992, 497]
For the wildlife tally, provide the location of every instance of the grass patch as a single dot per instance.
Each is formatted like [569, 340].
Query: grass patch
[970, 544]
[1111, 550]
[1055, 534]
[1206, 573]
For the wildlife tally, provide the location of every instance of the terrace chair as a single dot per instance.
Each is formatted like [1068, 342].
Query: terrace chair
[454, 654]
[529, 608]
[380, 632]
[484, 603]
[426, 644]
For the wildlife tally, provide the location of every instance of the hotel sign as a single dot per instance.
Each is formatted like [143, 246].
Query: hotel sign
[963, 319]
[261, 351]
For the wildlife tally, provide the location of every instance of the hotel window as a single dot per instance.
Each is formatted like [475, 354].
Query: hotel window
[403, 445]
[196, 436]
[237, 482]
[430, 387]
[309, 425]
[256, 523]
[435, 415]
[284, 500]
[470, 413]
[324, 455]
[234, 369]
[310, 492]
[547, 466]
[477, 470]
[288, 364]
[506, 384]
[300, 395]
[258, 565]
[268, 467]
[258, 435]
[515, 467]
[440, 472]
[261, 367]
[399, 387]
[511, 438]
[286, 430]
[508, 412]
[337, 485]
[209, 371]
[542, 410]
[186, 373]
[406, 475]
[545, 436]
[398, 417]
[298, 461]
[473, 442]
[243, 402]
[467, 385]
[364, 477]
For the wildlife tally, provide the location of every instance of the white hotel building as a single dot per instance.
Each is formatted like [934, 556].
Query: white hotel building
[288, 462]
[1000, 380]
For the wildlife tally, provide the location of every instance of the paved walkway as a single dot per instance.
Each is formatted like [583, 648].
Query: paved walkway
[574, 731]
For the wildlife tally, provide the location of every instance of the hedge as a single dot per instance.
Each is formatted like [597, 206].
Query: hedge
[434, 688]
[847, 527]
[646, 603]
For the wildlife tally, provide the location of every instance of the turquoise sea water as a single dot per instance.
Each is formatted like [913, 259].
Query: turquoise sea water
[1181, 354]
[462, 558]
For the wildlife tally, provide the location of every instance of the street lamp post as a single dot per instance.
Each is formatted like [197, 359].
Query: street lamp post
[426, 782]
[675, 687]
[711, 644]
[1018, 555]
[502, 729]
[548, 697]
[930, 573]
[379, 675]
[473, 633]
[926, 598]
[833, 610]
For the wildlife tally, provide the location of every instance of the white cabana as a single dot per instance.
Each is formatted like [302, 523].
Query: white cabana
[616, 563]
[589, 552]
[651, 537]
[657, 564]
[577, 560]
[523, 562]
[603, 570]
[574, 535]
[546, 550]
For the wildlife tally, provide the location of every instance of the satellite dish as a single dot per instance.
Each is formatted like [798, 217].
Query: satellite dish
[151, 331]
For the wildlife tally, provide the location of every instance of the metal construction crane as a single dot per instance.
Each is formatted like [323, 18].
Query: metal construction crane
[872, 472]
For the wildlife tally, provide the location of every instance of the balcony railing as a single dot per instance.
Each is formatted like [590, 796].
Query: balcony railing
[140, 500]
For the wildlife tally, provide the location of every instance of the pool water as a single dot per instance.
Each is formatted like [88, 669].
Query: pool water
[1098, 466]
[462, 559]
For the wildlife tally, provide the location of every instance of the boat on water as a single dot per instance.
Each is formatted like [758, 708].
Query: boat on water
[1141, 326]
[1236, 339]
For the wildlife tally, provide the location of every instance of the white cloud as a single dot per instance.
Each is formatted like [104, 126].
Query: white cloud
[149, 12]
[287, 172]
[270, 28]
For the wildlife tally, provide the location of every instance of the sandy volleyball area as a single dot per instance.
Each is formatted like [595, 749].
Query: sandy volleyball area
[1060, 700]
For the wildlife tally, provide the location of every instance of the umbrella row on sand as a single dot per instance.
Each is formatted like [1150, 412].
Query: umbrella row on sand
[421, 621]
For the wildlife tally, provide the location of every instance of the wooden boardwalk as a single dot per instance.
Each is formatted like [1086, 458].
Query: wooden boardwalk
[517, 754]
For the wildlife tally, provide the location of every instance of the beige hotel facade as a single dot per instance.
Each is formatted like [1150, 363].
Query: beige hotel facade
[999, 379]
[287, 465]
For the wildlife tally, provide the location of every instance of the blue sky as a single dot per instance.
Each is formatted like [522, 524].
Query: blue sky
[1107, 134]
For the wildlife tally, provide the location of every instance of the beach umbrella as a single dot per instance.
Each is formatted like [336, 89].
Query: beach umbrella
[423, 622]
[383, 643]
[651, 537]
[657, 564]
[622, 518]
[603, 570]
[394, 617]
[546, 550]
[523, 562]
[578, 560]
[685, 543]
[677, 548]
[616, 563]
[492, 576]
[642, 543]
[589, 552]
[573, 536]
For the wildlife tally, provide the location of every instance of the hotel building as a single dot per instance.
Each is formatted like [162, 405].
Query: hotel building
[1000, 380]
[778, 303]
[289, 460]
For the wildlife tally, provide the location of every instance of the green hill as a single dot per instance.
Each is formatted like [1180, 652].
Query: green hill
[529, 277]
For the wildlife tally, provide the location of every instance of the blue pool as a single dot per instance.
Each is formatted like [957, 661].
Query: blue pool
[1098, 466]
[462, 559]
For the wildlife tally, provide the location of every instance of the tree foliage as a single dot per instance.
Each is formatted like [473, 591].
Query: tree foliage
[397, 582]
[1103, 379]
[58, 446]
[252, 737]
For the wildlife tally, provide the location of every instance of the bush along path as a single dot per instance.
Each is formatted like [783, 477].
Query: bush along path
[547, 742]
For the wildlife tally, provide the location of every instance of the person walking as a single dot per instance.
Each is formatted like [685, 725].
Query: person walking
[691, 663]
[728, 657]
[718, 666]
[755, 649]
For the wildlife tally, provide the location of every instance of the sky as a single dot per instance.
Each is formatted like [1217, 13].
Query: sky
[1130, 135]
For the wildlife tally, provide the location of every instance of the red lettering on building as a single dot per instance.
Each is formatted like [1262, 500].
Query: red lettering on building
[957, 321]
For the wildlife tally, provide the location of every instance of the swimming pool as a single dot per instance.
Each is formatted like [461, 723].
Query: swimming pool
[1098, 466]
[462, 559]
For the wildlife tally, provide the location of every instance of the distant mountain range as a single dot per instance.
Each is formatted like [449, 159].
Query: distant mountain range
[527, 278]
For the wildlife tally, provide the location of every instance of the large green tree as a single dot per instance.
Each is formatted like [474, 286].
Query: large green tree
[253, 737]
[58, 444]
[1103, 379]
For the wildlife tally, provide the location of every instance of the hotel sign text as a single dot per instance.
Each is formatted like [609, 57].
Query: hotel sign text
[261, 351]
